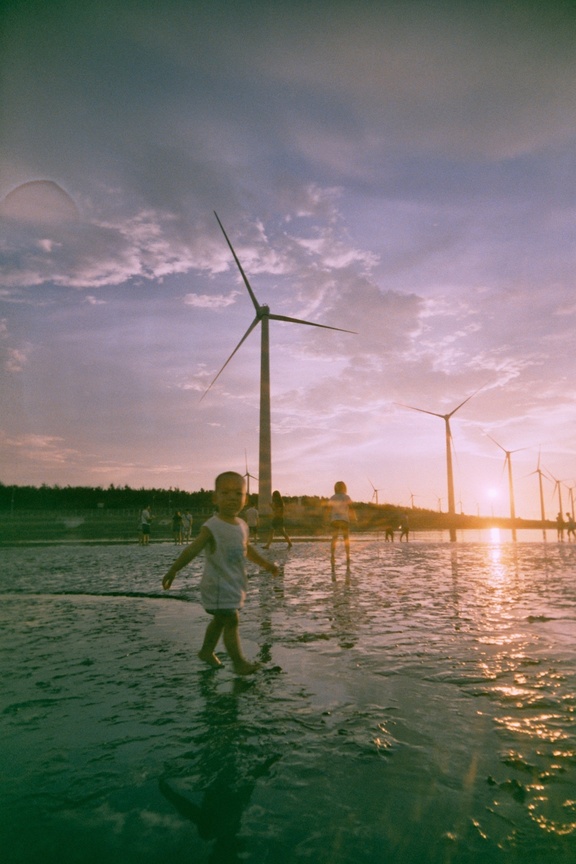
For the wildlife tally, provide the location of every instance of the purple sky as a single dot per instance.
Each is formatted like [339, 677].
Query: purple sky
[405, 170]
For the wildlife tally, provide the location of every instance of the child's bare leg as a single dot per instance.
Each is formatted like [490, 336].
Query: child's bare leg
[347, 548]
[232, 642]
[211, 637]
[333, 548]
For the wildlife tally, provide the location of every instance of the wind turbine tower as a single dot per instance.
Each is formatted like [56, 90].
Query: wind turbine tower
[449, 469]
[263, 317]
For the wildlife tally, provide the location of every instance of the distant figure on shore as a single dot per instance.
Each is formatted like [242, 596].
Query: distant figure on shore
[404, 527]
[560, 526]
[145, 520]
[187, 522]
[341, 513]
[251, 515]
[570, 527]
[177, 528]
[389, 531]
[224, 540]
[277, 520]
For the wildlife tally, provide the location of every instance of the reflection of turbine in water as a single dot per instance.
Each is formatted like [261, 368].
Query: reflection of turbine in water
[449, 469]
[508, 464]
[263, 316]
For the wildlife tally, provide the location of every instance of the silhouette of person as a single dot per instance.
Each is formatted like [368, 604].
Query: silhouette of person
[145, 519]
[188, 521]
[341, 513]
[177, 525]
[277, 520]
[404, 527]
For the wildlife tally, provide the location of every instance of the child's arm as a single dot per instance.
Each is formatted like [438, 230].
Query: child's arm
[256, 558]
[186, 556]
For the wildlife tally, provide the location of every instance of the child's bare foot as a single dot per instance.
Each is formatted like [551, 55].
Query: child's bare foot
[210, 658]
[245, 668]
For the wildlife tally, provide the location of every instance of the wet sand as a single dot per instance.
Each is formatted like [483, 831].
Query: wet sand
[420, 710]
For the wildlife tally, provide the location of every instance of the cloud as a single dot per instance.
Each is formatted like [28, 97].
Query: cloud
[211, 301]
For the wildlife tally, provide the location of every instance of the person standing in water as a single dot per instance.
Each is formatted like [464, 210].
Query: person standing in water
[224, 540]
[145, 519]
[341, 513]
[277, 520]
[404, 527]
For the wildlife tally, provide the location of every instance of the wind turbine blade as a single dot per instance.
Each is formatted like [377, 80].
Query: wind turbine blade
[309, 323]
[464, 402]
[252, 326]
[240, 268]
[422, 410]
[495, 442]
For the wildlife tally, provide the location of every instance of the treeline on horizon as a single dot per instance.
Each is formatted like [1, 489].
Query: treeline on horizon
[113, 497]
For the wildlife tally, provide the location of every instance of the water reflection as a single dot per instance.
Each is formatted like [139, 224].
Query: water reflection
[226, 767]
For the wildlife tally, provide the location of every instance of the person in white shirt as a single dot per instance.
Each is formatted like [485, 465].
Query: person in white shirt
[224, 540]
[341, 513]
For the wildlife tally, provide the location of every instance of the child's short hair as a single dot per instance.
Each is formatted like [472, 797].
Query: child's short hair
[340, 487]
[224, 474]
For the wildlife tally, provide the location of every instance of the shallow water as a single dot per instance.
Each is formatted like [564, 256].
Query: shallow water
[421, 710]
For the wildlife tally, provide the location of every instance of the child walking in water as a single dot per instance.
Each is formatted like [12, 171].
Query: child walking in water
[341, 513]
[224, 540]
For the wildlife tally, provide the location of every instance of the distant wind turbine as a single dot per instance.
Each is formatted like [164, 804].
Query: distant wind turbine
[247, 475]
[558, 486]
[508, 464]
[449, 470]
[571, 493]
[263, 317]
[541, 474]
[375, 494]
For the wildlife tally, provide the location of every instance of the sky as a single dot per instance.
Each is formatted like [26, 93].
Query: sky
[405, 170]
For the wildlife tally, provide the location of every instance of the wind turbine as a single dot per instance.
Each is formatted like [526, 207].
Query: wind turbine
[508, 463]
[248, 476]
[449, 470]
[571, 493]
[263, 317]
[541, 474]
[558, 486]
[375, 495]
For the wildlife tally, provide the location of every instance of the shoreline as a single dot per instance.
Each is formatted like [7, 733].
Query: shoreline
[416, 537]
